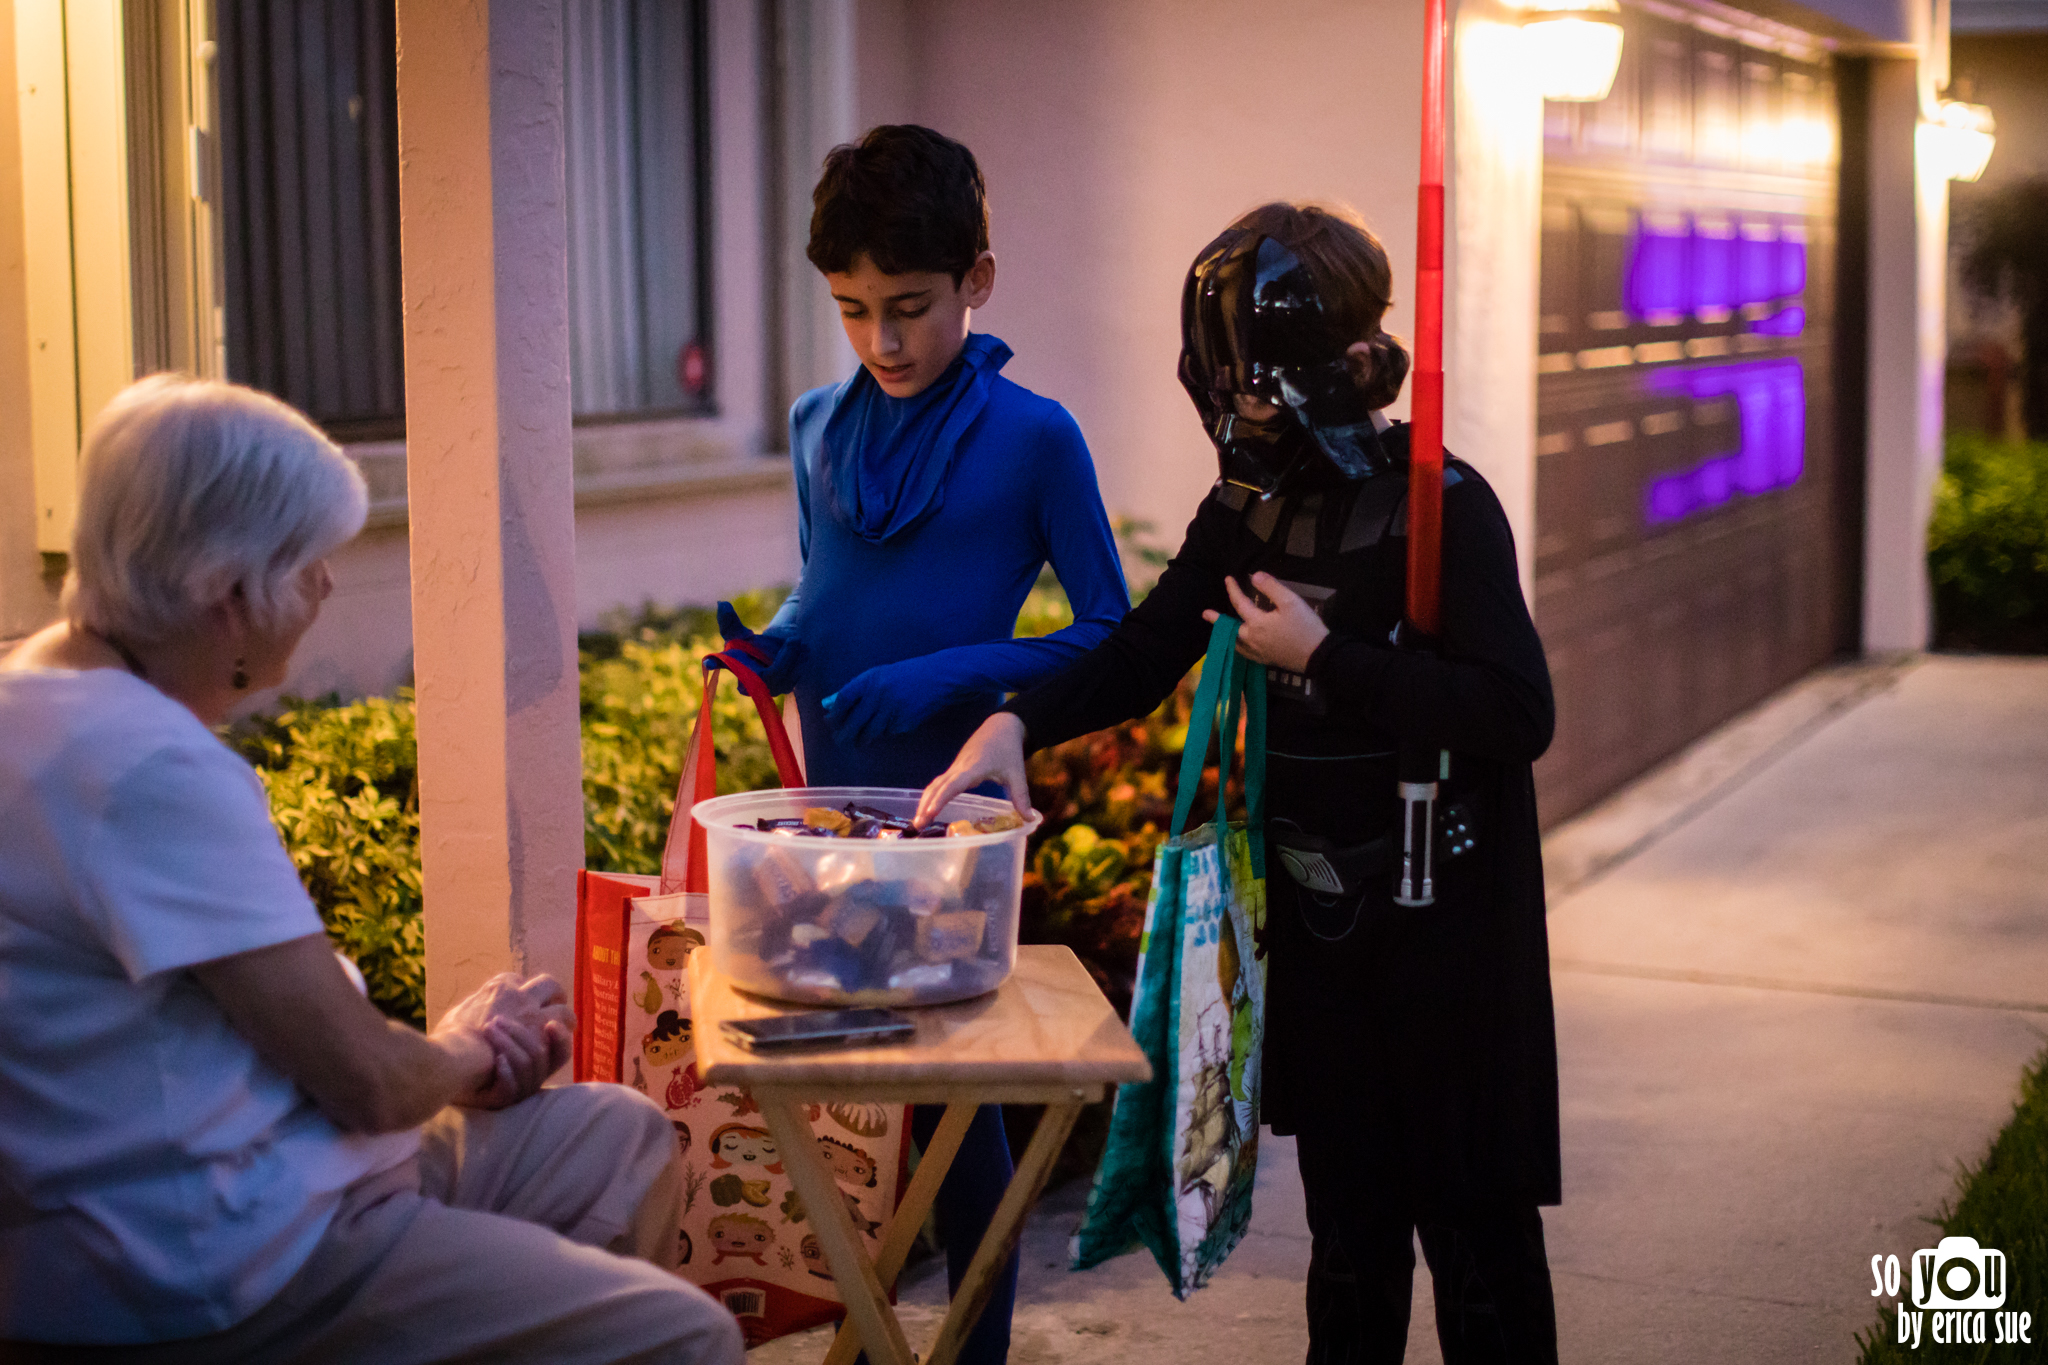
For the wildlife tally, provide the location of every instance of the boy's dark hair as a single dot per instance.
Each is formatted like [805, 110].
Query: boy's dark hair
[905, 197]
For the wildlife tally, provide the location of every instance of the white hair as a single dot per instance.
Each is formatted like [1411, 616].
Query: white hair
[190, 488]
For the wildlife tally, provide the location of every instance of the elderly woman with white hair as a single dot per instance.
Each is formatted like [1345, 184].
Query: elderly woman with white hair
[212, 1147]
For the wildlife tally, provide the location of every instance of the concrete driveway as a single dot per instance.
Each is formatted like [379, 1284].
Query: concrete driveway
[1798, 971]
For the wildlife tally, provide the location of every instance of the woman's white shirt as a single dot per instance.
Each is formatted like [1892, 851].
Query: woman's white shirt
[158, 1179]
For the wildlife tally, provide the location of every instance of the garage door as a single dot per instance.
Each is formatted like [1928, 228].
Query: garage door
[1696, 524]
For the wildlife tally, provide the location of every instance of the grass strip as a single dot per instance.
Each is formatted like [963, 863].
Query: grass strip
[2003, 1203]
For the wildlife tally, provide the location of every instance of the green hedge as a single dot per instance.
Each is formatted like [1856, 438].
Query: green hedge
[1987, 545]
[344, 790]
[643, 681]
[343, 781]
[2003, 1203]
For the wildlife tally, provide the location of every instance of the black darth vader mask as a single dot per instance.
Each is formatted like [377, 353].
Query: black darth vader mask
[1252, 323]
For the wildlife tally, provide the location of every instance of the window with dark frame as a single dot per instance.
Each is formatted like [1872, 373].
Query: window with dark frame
[309, 199]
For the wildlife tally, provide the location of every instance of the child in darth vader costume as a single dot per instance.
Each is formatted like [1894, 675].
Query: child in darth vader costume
[1410, 1049]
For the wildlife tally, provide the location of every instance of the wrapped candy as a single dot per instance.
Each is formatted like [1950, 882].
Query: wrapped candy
[825, 820]
[857, 821]
[949, 935]
[834, 911]
[781, 879]
[852, 920]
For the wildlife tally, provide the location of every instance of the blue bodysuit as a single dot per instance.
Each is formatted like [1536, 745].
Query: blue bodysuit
[923, 523]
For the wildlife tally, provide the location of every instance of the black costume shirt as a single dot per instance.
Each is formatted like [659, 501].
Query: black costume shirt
[1426, 1032]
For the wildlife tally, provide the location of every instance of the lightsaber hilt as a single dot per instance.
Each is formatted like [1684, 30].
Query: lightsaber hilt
[1420, 771]
[1417, 884]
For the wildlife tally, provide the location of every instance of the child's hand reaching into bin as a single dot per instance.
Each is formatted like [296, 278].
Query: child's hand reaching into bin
[993, 753]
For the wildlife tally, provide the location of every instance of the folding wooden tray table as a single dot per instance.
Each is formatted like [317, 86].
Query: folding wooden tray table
[1047, 1036]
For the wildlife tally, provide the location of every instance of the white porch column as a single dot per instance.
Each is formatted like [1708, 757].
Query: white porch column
[1908, 259]
[1496, 196]
[489, 478]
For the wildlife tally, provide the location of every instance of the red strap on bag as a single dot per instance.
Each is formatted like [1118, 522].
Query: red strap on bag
[683, 858]
[753, 652]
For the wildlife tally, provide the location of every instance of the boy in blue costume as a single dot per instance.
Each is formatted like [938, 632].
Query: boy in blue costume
[930, 492]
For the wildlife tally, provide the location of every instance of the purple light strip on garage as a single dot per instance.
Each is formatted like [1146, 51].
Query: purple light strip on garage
[1673, 271]
[1770, 396]
[1786, 322]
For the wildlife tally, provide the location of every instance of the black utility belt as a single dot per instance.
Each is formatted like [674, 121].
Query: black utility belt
[1327, 867]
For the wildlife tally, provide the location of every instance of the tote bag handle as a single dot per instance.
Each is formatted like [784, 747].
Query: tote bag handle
[1227, 676]
[683, 858]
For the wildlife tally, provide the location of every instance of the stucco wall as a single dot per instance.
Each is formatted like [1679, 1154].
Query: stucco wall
[667, 550]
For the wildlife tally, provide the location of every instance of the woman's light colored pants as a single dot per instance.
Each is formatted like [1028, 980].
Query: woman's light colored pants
[542, 1232]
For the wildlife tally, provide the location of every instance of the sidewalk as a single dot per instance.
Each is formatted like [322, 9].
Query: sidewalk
[1797, 973]
[1787, 1022]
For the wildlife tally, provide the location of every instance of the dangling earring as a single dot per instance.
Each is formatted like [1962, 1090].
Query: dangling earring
[239, 679]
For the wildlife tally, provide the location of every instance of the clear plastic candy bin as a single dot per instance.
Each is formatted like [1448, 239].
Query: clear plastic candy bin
[849, 921]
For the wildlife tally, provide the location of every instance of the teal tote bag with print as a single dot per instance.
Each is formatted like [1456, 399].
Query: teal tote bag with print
[1183, 1147]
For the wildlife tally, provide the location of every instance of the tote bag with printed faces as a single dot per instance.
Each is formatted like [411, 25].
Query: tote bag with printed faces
[746, 1236]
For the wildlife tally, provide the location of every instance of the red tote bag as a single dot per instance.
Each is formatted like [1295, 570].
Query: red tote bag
[603, 898]
[746, 1237]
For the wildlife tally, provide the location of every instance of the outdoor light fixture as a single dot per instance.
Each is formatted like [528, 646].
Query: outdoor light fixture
[1572, 46]
[1957, 141]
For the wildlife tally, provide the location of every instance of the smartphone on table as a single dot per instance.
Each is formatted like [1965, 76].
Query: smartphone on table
[821, 1028]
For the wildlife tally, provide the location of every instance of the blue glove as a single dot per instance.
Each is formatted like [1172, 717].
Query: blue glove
[888, 699]
[785, 656]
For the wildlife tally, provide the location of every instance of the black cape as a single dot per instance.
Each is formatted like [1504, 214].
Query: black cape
[1427, 1034]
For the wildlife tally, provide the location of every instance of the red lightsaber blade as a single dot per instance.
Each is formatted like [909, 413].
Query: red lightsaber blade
[1426, 446]
[1421, 768]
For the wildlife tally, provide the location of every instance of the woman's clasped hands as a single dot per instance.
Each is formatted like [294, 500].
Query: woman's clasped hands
[526, 1025]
